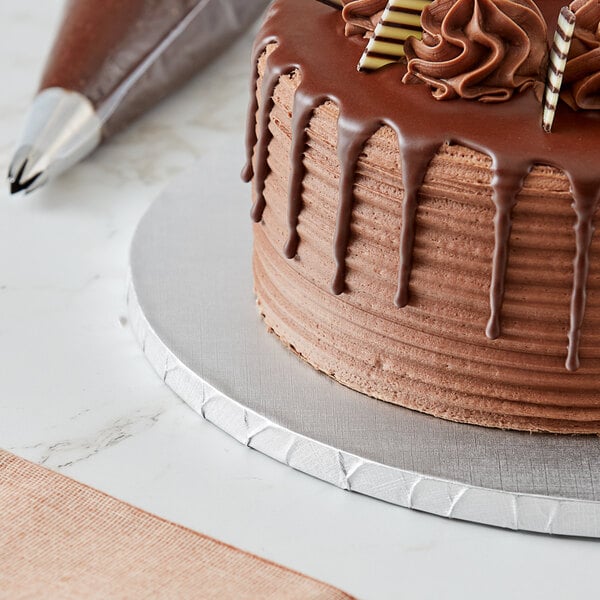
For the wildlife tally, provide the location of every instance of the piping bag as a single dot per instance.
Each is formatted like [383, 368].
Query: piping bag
[112, 60]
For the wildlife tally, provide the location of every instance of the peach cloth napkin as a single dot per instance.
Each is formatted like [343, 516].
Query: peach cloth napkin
[62, 539]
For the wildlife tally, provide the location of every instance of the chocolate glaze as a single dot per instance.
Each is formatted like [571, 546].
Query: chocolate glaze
[510, 133]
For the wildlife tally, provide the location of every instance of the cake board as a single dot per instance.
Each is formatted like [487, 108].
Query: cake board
[192, 309]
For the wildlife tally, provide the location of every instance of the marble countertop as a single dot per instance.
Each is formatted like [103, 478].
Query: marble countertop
[77, 396]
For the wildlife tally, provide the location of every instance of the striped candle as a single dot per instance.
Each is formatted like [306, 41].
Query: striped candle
[557, 64]
[401, 19]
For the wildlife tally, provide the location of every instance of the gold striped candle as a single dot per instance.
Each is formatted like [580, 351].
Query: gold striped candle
[401, 19]
[557, 64]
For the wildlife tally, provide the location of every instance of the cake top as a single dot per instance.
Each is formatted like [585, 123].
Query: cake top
[483, 50]
[310, 37]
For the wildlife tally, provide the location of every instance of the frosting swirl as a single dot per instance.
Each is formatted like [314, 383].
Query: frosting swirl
[479, 49]
[581, 82]
[362, 16]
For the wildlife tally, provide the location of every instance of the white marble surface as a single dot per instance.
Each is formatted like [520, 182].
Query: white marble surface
[77, 395]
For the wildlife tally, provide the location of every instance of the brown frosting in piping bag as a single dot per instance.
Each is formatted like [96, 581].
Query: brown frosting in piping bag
[362, 16]
[479, 49]
[581, 82]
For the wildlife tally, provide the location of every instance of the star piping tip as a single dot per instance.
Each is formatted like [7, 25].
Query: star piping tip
[19, 182]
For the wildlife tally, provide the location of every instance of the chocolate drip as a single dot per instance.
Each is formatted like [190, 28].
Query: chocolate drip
[415, 161]
[351, 141]
[509, 133]
[251, 122]
[303, 109]
[585, 204]
[274, 72]
[251, 138]
[506, 184]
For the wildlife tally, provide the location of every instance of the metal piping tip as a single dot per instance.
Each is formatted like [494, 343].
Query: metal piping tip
[61, 128]
[24, 184]
[20, 175]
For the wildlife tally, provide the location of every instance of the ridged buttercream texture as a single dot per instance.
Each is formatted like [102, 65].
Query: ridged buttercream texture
[431, 355]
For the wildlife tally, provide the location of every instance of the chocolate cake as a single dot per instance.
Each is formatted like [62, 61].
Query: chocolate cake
[419, 237]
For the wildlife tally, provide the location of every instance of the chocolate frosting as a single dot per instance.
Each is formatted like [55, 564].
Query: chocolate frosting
[479, 49]
[509, 132]
[581, 82]
[362, 16]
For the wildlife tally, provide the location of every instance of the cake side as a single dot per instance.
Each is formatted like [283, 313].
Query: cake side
[430, 355]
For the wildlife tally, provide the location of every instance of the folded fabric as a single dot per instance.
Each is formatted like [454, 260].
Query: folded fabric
[62, 539]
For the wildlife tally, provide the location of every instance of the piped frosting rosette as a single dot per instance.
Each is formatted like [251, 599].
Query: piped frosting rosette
[362, 16]
[581, 82]
[479, 49]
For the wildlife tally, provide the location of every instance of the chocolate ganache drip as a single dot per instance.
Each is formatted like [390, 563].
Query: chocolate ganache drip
[508, 132]
[479, 49]
[362, 16]
[581, 82]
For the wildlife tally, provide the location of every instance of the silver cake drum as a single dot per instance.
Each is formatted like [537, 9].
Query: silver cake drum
[192, 309]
